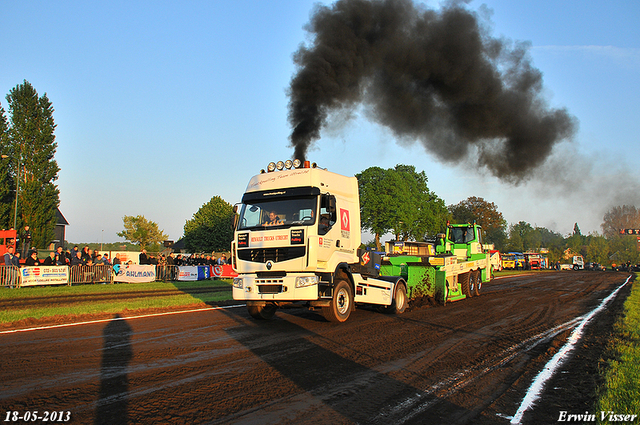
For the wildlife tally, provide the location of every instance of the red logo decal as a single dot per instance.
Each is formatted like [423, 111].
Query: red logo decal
[365, 258]
[344, 219]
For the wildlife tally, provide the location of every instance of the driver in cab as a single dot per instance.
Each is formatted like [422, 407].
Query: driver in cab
[273, 220]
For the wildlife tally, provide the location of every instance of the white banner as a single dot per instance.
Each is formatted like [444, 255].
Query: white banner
[44, 275]
[134, 273]
[188, 273]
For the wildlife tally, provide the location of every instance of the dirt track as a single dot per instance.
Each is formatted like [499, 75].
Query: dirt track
[468, 362]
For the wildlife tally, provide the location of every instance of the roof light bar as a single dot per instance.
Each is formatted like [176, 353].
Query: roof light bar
[288, 164]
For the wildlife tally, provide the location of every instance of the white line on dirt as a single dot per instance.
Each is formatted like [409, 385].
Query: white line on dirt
[534, 391]
[64, 325]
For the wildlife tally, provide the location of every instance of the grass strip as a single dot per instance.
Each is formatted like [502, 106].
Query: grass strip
[187, 293]
[621, 393]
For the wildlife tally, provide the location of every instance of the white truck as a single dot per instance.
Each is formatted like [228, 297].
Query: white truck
[297, 240]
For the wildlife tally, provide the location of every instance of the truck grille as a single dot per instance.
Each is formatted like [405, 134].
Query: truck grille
[262, 255]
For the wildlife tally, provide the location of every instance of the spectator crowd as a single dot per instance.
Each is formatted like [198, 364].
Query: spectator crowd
[85, 257]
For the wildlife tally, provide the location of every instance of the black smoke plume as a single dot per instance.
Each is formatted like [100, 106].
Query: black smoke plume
[437, 76]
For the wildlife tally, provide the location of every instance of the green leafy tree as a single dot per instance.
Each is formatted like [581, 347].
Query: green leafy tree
[597, 249]
[398, 200]
[141, 231]
[376, 188]
[518, 234]
[577, 244]
[7, 183]
[553, 241]
[32, 147]
[623, 249]
[211, 228]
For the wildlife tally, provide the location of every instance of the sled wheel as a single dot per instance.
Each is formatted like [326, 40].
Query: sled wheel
[477, 286]
[464, 280]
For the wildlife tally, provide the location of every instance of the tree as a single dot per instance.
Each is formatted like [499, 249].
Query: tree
[518, 234]
[398, 200]
[211, 228]
[597, 249]
[484, 213]
[620, 217]
[424, 213]
[32, 148]
[7, 183]
[576, 230]
[141, 231]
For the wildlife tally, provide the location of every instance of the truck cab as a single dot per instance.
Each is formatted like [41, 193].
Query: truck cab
[462, 240]
[297, 240]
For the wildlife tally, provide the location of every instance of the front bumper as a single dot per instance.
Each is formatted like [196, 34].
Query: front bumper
[290, 288]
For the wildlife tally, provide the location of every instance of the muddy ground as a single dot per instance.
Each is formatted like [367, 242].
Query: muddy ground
[469, 362]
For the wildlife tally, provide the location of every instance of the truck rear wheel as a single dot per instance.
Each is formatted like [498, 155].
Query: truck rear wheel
[262, 312]
[465, 286]
[341, 303]
[399, 303]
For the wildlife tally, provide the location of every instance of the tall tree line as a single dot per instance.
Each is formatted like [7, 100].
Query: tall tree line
[28, 168]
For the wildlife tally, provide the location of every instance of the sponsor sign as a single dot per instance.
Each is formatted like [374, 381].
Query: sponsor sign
[297, 237]
[224, 271]
[134, 273]
[193, 273]
[44, 275]
[269, 238]
[630, 231]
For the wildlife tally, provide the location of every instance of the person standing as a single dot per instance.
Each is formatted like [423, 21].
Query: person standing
[61, 257]
[78, 260]
[86, 255]
[143, 258]
[26, 241]
[9, 258]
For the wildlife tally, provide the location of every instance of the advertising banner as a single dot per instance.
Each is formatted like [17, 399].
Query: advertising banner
[44, 275]
[188, 273]
[193, 273]
[134, 273]
[223, 272]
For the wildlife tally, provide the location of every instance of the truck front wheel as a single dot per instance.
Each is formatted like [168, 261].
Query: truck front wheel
[341, 303]
[262, 312]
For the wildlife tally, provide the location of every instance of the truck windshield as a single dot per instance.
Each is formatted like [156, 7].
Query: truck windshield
[278, 212]
[461, 234]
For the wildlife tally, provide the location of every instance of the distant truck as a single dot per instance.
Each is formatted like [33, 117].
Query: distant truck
[508, 261]
[297, 241]
[533, 261]
[577, 263]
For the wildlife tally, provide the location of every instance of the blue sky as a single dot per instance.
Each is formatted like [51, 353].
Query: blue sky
[160, 106]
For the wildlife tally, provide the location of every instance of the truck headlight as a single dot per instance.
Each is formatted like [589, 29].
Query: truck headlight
[237, 282]
[302, 281]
